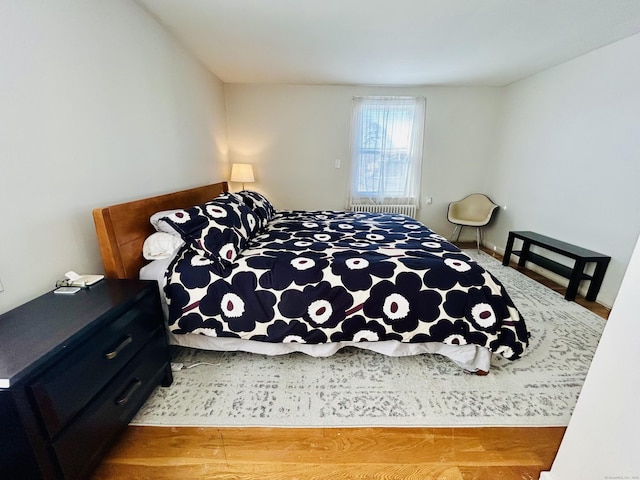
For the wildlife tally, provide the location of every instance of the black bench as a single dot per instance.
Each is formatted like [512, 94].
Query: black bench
[575, 274]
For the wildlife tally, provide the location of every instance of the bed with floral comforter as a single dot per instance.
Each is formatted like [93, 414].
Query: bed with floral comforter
[320, 277]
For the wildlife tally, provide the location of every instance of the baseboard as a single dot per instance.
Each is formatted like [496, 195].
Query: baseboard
[493, 247]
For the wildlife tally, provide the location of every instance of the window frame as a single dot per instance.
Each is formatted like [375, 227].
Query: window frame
[391, 129]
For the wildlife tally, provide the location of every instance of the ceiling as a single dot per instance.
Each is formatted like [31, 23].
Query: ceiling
[391, 42]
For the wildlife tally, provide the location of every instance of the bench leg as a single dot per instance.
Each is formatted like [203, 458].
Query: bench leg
[508, 249]
[596, 281]
[526, 245]
[574, 280]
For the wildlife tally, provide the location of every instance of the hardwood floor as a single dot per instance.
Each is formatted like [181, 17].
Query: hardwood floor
[157, 453]
[160, 453]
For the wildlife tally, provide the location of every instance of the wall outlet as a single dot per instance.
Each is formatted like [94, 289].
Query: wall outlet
[338, 162]
[428, 200]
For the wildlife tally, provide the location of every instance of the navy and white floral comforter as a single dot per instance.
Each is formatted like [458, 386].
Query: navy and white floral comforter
[325, 276]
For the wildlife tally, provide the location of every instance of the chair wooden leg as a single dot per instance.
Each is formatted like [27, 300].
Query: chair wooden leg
[458, 228]
[478, 238]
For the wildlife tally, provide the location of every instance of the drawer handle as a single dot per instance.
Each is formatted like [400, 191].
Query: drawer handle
[114, 353]
[126, 395]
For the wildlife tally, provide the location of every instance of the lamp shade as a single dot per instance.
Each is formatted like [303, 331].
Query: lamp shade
[242, 172]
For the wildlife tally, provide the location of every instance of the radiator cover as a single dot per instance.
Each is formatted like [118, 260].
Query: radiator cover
[409, 210]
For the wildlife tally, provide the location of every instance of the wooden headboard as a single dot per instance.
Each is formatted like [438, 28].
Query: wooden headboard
[123, 228]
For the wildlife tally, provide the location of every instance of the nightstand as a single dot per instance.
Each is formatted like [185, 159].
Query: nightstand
[74, 370]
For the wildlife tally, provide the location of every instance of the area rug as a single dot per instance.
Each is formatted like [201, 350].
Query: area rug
[357, 388]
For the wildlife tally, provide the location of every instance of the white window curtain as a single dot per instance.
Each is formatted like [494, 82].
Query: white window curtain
[386, 150]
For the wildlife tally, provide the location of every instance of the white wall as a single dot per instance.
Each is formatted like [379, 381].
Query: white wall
[567, 160]
[99, 105]
[294, 134]
[602, 439]
[560, 150]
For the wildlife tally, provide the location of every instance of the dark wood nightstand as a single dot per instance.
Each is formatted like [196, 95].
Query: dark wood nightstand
[74, 370]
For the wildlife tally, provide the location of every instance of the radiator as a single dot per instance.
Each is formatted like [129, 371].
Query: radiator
[409, 210]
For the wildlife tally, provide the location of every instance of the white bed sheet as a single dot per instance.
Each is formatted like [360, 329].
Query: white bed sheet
[471, 358]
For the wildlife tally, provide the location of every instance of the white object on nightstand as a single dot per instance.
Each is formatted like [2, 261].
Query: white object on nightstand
[76, 280]
[66, 290]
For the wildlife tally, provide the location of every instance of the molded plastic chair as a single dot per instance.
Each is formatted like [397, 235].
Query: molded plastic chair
[475, 210]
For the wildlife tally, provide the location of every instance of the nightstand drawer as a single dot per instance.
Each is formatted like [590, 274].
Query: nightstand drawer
[92, 432]
[72, 383]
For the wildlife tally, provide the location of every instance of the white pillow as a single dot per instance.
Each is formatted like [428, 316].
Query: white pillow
[160, 245]
[161, 226]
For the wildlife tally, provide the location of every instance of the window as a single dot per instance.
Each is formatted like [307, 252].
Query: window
[386, 149]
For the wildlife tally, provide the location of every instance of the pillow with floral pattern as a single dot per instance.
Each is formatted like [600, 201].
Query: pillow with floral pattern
[260, 206]
[229, 209]
[219, 229]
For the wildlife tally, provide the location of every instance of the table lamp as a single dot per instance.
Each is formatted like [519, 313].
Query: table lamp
[242, 172]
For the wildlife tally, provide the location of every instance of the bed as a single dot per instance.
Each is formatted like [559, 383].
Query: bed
[237, 275]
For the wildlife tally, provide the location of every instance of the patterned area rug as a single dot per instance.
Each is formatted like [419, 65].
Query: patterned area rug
[360, 388]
